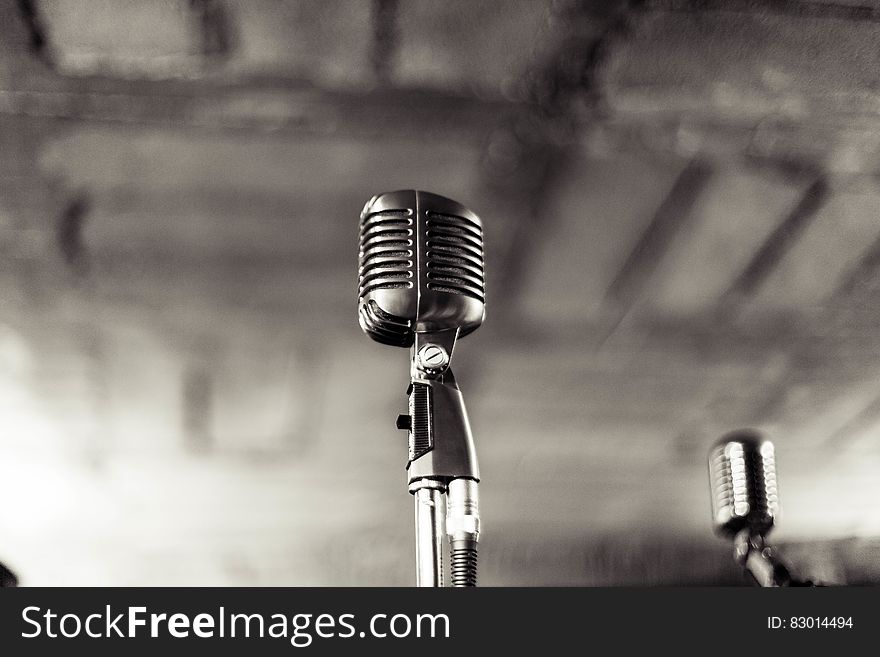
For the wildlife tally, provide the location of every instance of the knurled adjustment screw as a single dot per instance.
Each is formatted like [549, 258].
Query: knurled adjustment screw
[433, 357]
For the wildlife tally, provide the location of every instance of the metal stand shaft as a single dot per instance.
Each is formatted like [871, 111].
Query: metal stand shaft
[429, 533]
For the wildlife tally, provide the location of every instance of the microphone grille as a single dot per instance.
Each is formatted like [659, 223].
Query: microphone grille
[420, 267]
[742, 474]
[385, 262]
[454, 257]
[386, 251]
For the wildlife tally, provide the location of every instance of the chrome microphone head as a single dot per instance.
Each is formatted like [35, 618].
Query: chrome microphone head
[420, 267]
[742, 476]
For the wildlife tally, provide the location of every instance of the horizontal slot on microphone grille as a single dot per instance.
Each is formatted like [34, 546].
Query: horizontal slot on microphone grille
[456, 284]
[454, 290]
[386, 218]
[455, 256]
[385, 327]
[387, 248]
[456, 249]
[453, 278]
[385, 285]
[456, 269]
[400, 240]
[455, 220]
[372, 273]
[384, 281]
[451, 239]
[452, 259]
[386, 234]
[377, 262]
[385, 251]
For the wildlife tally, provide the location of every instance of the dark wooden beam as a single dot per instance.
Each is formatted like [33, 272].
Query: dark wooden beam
[651, 247]
[215, 104]
[384, 44]
[524, 161]
[69, 232]
[215, 29]
[669, 219]
[38, 36]
[864, 419]
[799, 8]
[863, 275]
[777, 244]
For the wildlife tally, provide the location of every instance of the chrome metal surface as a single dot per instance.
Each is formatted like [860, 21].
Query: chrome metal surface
[432, 358]
[742, 474]
[420, 267]
[429, 533]
[463, 510]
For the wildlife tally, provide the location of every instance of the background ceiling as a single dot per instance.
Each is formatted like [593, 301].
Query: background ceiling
[681, 209]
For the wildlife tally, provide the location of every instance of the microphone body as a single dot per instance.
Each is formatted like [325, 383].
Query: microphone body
[745, 503]
[420, 267]
[421, 286]
[742, 473]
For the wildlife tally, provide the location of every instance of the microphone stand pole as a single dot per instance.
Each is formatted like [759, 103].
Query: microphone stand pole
[429, 502]
[442, 469]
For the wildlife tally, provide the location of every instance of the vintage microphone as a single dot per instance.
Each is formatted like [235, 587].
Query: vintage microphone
[745, 503]
[421, 285]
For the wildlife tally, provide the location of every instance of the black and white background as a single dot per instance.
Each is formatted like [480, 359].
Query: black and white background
[682, 226]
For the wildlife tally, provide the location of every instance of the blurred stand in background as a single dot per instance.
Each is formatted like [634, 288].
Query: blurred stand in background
[7, 577]
[679, 203]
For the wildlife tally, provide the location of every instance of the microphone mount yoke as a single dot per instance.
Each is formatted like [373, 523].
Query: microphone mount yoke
[759, 560]
[442, 462]
[440, 442]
